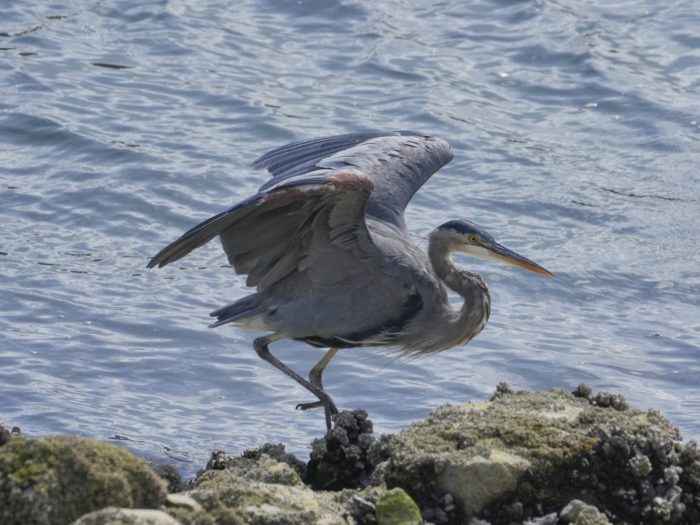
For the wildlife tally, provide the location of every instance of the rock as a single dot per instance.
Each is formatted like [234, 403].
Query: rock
[56, 480]
[579, 513]
[395, 507]
[238, 496]
[219, 460]
[524, 455]
[478, 480]
[530, 458]
[170, 475]
[340, 459]
[583, 390]
[264, 469]
[6, 434]
[258, 501]
[183, 501]
[639, 466]
[362, 507]
[548, 519]
[256, 488]
[606, 399]
[117, 516]
[278, 453]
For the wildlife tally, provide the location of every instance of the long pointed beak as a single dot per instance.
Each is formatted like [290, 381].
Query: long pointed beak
[500, 252]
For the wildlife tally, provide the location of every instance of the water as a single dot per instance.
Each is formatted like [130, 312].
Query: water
[576, 127]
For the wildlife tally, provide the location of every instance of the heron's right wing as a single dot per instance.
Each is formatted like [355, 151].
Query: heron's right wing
[283, 228]
[398, 163]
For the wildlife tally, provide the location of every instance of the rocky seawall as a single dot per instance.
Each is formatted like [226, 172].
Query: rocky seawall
[522, 457]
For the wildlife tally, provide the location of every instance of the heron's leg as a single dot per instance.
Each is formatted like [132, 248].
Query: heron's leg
[260, 345]
[315, 378]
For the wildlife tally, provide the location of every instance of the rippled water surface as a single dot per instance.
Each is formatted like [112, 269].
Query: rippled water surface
[576, 128]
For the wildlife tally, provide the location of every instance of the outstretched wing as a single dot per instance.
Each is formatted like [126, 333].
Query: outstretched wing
[313, 209]
[398, 164]
[268, 236]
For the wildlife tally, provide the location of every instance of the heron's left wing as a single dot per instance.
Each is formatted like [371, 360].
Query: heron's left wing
[398, 163]
[310, 217]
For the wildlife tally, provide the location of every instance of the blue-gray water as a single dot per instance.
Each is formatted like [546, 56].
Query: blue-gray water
[576, 128]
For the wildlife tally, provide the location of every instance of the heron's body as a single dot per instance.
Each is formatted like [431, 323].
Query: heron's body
[325, 244]
[395, 280]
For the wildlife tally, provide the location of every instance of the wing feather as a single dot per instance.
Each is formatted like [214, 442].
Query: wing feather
[300, 157]
[398, 163]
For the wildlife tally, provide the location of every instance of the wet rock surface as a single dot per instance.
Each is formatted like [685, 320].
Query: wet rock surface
[537, 458]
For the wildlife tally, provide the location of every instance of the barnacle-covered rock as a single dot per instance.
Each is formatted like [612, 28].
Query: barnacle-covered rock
[219, 460]
[57, 479]
[524, 455]
[263, 487]
[6, 434]
[339, 459]
[577, 512]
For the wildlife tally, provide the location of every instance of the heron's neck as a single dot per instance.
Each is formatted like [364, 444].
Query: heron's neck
[463, 282]
[472, 317]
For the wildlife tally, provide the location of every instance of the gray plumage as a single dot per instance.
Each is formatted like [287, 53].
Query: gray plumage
[325, 244]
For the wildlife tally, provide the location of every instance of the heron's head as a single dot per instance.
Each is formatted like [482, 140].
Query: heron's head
[465, 236]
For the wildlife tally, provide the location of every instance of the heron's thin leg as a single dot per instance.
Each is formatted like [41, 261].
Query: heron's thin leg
[317, 371]
[315, 377]
[260, 345]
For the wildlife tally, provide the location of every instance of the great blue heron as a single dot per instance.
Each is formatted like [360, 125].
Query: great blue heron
[325, 244]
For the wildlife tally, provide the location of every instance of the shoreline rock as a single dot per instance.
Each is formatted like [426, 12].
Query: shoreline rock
[520, 458]
[57, 479]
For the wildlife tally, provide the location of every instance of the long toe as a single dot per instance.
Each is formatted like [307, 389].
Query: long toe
[307, 406]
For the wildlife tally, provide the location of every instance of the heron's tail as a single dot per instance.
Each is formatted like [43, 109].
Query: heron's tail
[241, 309]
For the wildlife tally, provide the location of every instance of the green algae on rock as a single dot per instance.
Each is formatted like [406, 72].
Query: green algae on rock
[262, 486]
[256, 501]
[55, 480]
[268, 492]
[261, 489]
[395, 507]
[526, 454]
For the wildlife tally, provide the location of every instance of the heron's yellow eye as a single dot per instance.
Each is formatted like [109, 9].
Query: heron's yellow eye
[473, 239]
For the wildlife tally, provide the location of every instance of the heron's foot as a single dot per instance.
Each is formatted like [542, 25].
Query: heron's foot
[309, 406]
[329, 408]
[318, 404]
